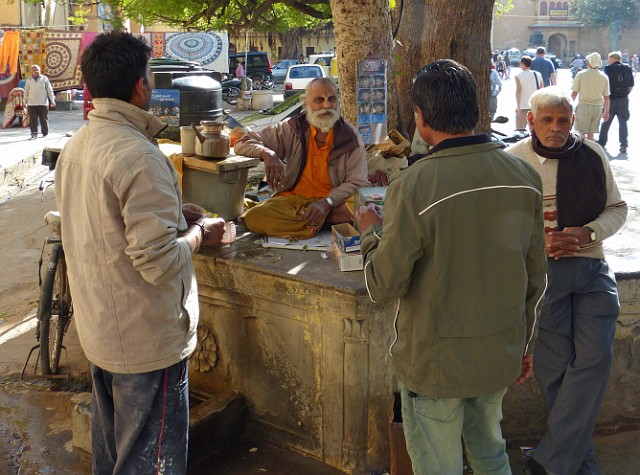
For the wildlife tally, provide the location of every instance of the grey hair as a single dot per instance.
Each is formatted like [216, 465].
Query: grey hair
[318, 80]
[552, 96]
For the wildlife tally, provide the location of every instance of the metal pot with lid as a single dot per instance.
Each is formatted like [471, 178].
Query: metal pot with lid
[213, 140]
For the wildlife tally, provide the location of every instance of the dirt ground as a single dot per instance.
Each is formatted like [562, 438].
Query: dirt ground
[35, 413]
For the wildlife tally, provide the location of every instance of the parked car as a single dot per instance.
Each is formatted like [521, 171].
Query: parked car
[557, 62]
[299, 75]
[327, 61]
[279, 70]
[514, 57]
[258, 67]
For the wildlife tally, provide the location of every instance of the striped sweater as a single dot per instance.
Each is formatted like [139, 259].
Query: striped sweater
[605, 225]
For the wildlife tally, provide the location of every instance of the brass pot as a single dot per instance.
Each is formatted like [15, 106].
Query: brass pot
[213, 141]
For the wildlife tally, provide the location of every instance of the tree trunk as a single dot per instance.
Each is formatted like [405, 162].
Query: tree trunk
[362, 30]
[291, 41]
[437, 29]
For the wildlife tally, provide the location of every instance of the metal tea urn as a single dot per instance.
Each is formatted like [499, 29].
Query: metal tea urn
[213, 140]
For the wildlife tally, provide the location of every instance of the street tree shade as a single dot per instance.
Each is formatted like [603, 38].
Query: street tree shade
[615, 15]
[426, 31]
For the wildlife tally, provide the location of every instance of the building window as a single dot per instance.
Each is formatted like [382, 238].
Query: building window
[552, 6]
[543, 8]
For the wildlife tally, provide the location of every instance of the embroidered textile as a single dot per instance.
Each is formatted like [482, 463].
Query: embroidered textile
[63, 57]
[210, 49]
[15, 109]
[7, 83]
[157, 44]
[9, 52]
[32, 51]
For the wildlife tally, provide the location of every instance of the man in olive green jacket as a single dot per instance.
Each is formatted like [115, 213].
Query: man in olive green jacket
[462, 248]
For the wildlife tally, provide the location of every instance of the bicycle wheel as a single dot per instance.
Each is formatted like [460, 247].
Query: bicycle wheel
[54, 311]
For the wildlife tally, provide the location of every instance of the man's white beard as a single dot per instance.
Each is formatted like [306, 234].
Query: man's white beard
[323, 119]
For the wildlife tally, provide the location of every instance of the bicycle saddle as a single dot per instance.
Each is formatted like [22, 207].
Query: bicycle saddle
[52, 220]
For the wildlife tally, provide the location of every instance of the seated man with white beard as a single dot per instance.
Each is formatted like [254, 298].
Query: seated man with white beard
[314, 162]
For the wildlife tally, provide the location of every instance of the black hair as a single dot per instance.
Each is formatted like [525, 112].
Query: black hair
[113, 63]
[446, 94]
[526, 60]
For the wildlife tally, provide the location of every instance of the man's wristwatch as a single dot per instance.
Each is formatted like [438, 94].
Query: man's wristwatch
[329, 200]
[592, 234]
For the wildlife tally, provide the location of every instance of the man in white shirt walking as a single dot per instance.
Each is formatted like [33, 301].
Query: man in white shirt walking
[527, 82]
[39, 97]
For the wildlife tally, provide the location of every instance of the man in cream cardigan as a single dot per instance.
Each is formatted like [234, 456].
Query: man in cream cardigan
[582, 207]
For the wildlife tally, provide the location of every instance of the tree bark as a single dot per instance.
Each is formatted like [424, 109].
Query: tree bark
[437, 29]
[362, 30]
[291, 41]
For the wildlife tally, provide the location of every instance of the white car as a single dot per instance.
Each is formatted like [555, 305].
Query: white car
[299, 75]
[324, 60]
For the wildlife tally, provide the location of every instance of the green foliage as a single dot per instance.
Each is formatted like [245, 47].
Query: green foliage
[603, 13]
[79, 15]
[502, 7]
[262, 15]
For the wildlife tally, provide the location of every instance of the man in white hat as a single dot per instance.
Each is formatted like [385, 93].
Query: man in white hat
[592, 89]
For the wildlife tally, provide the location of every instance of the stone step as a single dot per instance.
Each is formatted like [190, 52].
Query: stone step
[215, 421]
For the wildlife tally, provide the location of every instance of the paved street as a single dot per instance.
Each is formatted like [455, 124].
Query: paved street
[40, 432]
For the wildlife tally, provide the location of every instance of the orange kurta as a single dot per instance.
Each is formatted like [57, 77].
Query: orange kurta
[314, 182]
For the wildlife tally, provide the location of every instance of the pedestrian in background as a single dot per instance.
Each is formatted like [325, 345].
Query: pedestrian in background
[574, 350]
[507, 61]
[591, 87]
[527, 82]
[240, 70]
[464, 332]
[544, 66]
[635, 63]
[501, 67]
[624, 57]
[128, 244]
[39, 98]
[621, 83]
[495, 88]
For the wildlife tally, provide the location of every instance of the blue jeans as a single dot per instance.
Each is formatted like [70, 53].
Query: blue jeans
[434, 430]
[140, 422]
[572, 360]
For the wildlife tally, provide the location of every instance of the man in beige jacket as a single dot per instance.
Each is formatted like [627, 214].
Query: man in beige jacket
[128, 243]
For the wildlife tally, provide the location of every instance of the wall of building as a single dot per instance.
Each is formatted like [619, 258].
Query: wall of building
[561, 34]
[22, 14]
[311, 43]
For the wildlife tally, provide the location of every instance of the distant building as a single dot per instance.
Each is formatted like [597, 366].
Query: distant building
[533, 23]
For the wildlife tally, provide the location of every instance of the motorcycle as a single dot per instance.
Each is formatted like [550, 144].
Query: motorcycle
[575, 71]
[261, 81]
[231, 90]
[506, 139]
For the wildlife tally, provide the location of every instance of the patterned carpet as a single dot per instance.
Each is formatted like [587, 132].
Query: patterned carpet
[58, 53]
[63, 56]
[32, 51]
